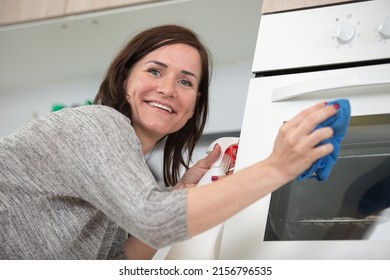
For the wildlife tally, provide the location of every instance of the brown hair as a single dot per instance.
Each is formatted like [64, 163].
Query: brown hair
[111, 92]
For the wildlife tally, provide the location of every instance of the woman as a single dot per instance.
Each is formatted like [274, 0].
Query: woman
[75, 185]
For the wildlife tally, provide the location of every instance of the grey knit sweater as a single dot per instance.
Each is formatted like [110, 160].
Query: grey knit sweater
[73, 184]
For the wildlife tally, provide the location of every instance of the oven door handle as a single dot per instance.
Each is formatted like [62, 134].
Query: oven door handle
[327, 83]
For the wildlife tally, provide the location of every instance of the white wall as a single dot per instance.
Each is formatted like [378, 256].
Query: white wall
[19, 105]
[228, 92]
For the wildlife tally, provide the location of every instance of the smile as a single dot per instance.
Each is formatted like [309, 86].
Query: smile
[161, 106]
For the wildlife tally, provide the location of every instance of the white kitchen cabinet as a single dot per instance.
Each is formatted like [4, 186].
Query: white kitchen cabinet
[15, 11]
[18, 11]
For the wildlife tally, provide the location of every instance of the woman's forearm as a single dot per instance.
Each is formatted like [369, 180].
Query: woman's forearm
[135, 249]
[210, 205]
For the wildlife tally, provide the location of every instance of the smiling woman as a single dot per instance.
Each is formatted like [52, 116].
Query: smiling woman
[83, 169]
[74, 184]
[192, 70]
[162, 92]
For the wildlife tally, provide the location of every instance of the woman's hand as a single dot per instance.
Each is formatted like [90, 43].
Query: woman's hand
[296, 146]
[196, 172]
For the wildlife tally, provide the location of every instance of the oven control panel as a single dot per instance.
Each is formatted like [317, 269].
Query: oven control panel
[351, 26]
[322, 36]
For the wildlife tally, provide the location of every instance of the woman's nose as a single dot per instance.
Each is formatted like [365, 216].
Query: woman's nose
[167, 87]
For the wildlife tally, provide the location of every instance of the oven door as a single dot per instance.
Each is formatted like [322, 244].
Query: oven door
[335, 219]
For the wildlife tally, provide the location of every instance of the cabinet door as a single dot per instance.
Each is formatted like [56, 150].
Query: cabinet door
[14, 11]
[270, 6]
[17, 11]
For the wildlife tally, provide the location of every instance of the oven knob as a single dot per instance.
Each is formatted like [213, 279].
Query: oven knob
[384, 28]
[345, 32]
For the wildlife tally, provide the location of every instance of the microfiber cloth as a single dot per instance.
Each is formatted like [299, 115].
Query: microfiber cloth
[321, 168]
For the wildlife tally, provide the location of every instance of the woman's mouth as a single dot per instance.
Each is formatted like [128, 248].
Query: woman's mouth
[161, 106]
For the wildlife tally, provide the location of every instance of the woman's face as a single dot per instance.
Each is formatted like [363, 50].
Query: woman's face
[162, 90]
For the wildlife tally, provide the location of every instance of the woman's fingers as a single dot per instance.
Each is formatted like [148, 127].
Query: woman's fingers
[309, 118]
[193, 175]
[212, 157]
[301, 116]
[317, 117]
[300, 130]
[296, 146]
[310, 147]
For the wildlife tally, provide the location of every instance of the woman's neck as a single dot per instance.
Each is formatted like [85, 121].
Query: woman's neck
[147, 141]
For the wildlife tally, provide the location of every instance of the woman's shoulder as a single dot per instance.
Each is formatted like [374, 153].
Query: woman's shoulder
[92, 115]
[92, 111]
[87, 121]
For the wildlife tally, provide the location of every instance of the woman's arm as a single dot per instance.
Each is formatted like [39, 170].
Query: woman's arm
[294, 151]
[135, 249]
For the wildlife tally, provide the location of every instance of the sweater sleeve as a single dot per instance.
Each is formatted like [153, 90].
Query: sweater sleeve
[97, 158]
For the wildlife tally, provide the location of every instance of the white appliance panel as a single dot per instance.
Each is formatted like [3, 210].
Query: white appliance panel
[261, 123]
[323, 36]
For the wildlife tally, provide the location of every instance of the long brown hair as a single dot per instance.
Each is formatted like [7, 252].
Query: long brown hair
[111, 92]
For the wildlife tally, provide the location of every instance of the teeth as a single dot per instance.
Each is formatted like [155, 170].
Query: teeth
[158, 105]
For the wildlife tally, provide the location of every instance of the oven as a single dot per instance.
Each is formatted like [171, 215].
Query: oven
[304, 57]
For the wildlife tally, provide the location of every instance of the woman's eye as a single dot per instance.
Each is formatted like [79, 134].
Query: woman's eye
[186, 83]
[153, 71]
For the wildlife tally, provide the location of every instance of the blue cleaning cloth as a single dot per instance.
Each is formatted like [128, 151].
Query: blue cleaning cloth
[321, 168]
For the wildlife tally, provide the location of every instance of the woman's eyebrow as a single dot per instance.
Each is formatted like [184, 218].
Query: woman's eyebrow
[189, 73]
[158, 63]
[166, 66]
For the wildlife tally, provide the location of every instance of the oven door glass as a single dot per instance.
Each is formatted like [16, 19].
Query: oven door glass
[347, 205]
